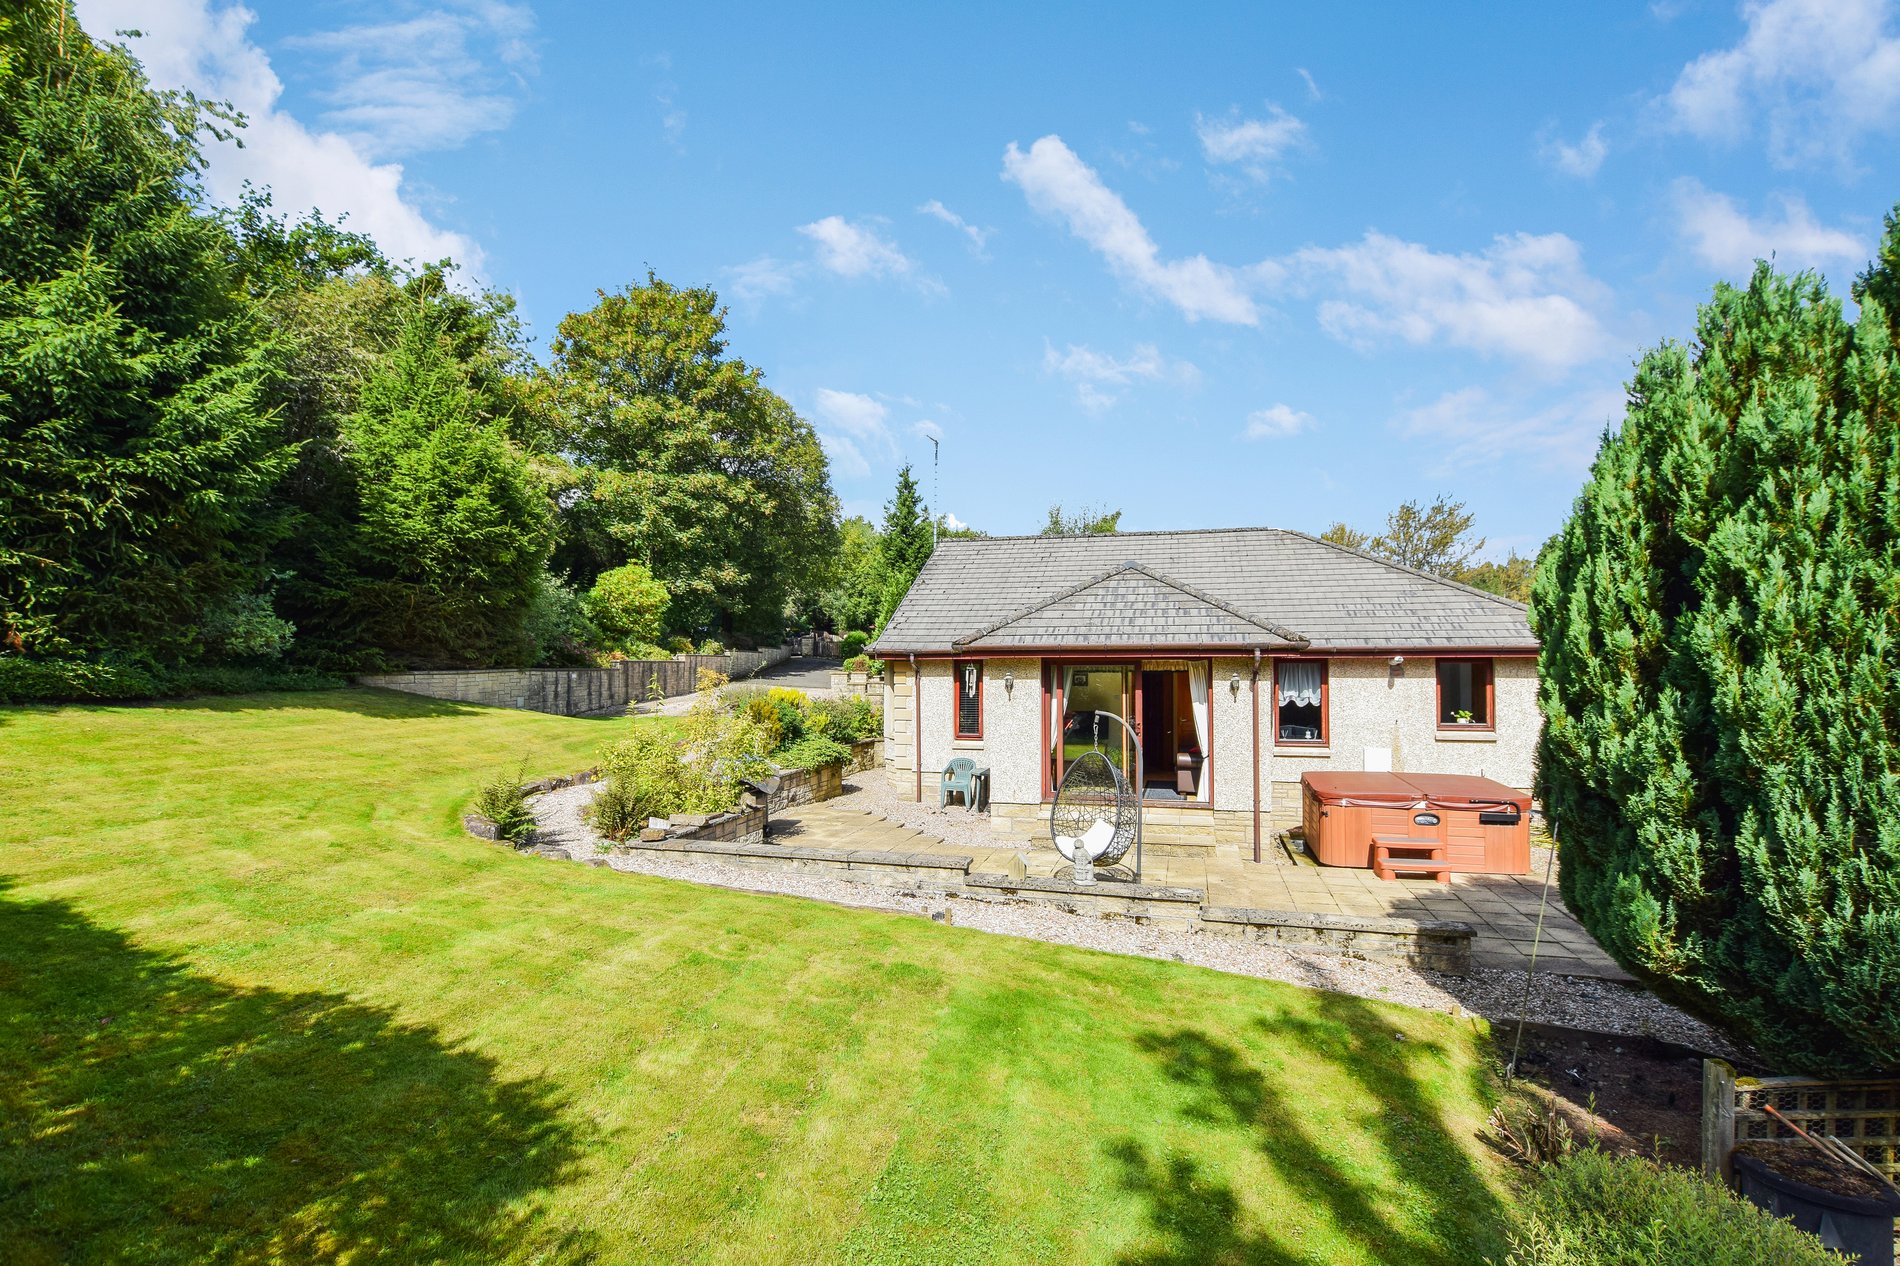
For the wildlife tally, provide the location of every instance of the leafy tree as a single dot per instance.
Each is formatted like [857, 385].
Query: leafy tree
[628, 605]
[964, 531]
[904, 546]
[689, 463]
[851, 600]
[446, 560]
[137, 451]
[1341, 534]
[1508, 579]
[1086, 521]
[1435, 538]
[1720, 627]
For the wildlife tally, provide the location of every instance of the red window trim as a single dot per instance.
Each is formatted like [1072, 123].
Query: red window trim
[1490, 722]
[1325, 701]
[956, 700]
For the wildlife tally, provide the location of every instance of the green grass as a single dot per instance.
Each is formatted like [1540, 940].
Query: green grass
[261, 1000]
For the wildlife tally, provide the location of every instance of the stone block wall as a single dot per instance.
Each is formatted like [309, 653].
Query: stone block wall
[575, 691]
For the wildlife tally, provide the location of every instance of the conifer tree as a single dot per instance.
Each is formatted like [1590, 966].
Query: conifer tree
[1720, 628]
[905, 545]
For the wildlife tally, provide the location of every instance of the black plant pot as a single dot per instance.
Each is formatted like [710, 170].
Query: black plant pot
[1859, 1226]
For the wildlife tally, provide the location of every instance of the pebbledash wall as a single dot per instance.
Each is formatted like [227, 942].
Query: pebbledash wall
[574, 691]
[1370, 706]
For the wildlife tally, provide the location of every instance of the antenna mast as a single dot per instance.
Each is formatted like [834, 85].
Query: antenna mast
[935, 449]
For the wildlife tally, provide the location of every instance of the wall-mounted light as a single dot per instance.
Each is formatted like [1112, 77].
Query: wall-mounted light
[1233, 684]
[1009, 684]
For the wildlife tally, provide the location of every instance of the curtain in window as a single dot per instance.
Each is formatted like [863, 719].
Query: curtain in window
[1197, 691]
[1300, 682]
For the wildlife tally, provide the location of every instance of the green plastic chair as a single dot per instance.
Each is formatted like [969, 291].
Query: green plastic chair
[959, 778]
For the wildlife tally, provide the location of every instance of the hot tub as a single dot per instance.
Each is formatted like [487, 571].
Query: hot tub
[1484, 825]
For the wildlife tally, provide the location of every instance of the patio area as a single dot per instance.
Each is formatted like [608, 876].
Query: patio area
[1501, 909]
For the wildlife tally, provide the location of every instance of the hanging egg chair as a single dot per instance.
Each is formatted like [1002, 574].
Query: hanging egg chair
[1096, 817]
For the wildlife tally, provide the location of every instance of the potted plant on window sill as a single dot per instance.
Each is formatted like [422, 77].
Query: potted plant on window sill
[1463, 717]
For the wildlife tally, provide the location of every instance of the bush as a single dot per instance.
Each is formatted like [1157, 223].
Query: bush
[852, 644]
[679, 645]
[557, 625]
[61, 681]
[1594, 1209]
[646, 778]
[502, 802]
[627, 605]
[711, 647]
[858, 664]
[1720, 674]
[847, 720]
[245, 627]
[811, 752]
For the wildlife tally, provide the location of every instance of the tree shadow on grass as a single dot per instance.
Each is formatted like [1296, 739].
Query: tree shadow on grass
[149, 1113]
[1196, 1216]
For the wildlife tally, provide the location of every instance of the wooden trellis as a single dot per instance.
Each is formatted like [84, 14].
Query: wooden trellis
[1865, 1115]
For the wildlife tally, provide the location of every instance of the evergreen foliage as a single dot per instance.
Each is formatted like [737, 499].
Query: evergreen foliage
[627, 605]
[446, 560]
[1720, 622]
[904, 545]
[137, 453]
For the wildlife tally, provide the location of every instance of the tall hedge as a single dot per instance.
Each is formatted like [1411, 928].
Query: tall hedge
[1720, 620]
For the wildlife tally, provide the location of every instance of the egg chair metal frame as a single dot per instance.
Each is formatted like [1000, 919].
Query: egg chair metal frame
[1085, 797]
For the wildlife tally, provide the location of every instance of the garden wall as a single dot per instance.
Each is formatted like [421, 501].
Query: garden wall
[573, 691]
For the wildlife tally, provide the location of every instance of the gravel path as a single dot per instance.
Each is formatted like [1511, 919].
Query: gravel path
[1497, 994]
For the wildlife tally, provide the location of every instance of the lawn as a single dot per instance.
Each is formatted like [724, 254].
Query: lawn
[260, 1000]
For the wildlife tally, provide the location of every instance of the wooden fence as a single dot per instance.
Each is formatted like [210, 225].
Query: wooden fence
[1865, 1115]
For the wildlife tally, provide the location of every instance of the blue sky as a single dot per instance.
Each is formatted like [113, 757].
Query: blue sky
[1268, 264]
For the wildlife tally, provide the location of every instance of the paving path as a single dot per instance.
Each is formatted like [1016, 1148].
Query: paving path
[1502, 909]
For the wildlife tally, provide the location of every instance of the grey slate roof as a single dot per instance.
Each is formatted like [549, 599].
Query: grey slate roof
[1235, 589]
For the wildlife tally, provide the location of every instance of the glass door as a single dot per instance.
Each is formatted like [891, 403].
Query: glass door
[1095, 698]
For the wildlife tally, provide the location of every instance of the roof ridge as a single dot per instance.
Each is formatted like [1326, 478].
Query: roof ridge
[1103, 536]
[1130, 565]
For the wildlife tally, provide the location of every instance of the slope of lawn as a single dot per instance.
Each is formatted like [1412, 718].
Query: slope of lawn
[260, 1000]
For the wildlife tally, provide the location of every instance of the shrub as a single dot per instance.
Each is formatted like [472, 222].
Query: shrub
[711, 647]
[557, 625]
[852, 644]
[761, 712]
[646, 778]
[627, 605]
[502, 802]
[57, 681]
[811, 752]
[1720, 674]
[847, 720]
[858, 664]
[244, 626]
[679, 645]
[1594, 1209]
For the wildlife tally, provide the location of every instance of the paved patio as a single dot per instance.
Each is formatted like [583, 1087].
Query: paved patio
[1502, 909]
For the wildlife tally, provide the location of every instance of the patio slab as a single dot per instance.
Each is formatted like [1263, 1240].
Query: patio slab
[1502, 909]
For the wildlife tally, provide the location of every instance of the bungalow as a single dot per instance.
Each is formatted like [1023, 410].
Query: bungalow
[1241, 659]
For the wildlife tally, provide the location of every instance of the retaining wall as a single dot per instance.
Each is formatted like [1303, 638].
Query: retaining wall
[573, 691]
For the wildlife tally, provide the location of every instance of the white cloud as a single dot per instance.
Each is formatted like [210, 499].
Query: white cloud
[1525, 296]
[849, 424]
[762, 278]
[1251, 144]
[1817, 73]
[1312, 89]
[1276, 421]
[928, 430]
[191, 44]
[952, 523]
[1100, 378]
[1580, 160]
[856, 250]
[1468, 428]
[979, 237]
[1725, 237]
[428, 81]
[1060, 185]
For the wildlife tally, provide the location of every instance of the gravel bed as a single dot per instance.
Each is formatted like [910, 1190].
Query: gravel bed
[1494, 993]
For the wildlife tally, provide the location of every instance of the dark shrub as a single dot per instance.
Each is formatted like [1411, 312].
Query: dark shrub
[852, 644]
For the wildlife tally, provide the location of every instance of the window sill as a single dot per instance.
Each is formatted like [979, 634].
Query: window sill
[966, 744]
[1472, 735]
[1296, 750]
